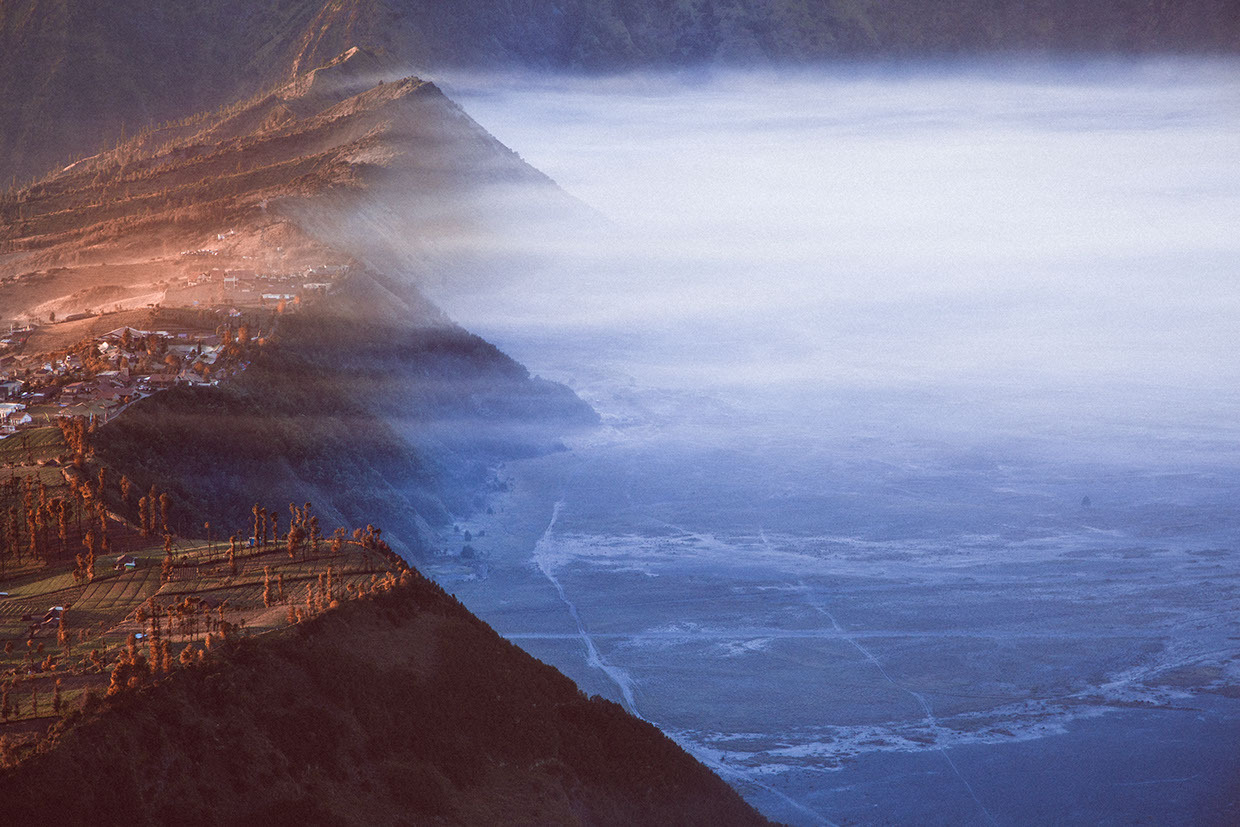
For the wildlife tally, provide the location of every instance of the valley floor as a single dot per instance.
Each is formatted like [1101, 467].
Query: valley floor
[1080, 667]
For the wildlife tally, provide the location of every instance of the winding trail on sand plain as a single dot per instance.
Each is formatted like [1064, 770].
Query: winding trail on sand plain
[921, 700]
[542, 555]
[544, 559]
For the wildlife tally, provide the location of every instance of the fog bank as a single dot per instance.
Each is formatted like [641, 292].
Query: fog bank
[918, 499]
[996, 246]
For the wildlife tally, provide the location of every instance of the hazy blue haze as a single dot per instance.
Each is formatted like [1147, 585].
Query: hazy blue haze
[864, 341]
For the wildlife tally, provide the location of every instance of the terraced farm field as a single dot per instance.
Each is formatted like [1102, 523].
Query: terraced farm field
[31, 446]
[63, 654]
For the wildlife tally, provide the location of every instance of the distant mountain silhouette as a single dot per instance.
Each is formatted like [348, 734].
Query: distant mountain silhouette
[75, 75]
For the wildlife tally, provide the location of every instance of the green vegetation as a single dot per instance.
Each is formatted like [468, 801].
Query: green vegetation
[27, 447]
[58, 631]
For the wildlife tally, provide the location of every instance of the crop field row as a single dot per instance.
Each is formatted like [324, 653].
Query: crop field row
[127, 589]
[36, 444]
[100, 616]
[38, 586]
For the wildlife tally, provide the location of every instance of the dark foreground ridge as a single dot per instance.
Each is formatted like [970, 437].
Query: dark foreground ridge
[397, 708]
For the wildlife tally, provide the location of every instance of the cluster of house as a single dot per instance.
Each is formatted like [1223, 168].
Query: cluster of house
[35, 388]
[49, 621]
[37, 383]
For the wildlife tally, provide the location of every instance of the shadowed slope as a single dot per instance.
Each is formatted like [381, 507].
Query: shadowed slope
[369, 404]
[401, 708]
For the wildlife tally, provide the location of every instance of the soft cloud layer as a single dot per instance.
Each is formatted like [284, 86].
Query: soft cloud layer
[1044, 240]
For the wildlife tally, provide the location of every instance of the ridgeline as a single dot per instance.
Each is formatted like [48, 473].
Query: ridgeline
[395, 707]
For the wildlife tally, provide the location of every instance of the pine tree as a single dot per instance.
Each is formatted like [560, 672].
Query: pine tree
[144, 516]
[232, 554]
[296, 541]
[153, 638]
[15, 532]
[165, 504]
[267, 586]
[62, 523]
[90, 541]
[119, 679]
[32, 531]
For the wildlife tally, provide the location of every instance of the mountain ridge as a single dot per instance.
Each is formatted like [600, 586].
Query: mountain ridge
[333, 192]
[398, 707]
[74, 76]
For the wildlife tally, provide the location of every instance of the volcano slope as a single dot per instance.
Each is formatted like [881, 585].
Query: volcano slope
[328, 168]
[314, 208]
[396, 708]
[307, 214]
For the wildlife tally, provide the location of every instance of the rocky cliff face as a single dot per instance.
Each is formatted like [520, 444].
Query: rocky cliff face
[75, 76]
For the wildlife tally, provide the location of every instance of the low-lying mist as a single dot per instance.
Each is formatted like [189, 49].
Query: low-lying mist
[980, 251]
[923, 461]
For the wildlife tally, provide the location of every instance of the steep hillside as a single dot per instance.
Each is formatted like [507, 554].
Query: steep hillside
[396, 708]
[308, 214]
[371, 405]
[332, 163]
[75, 75]
[244, 326]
